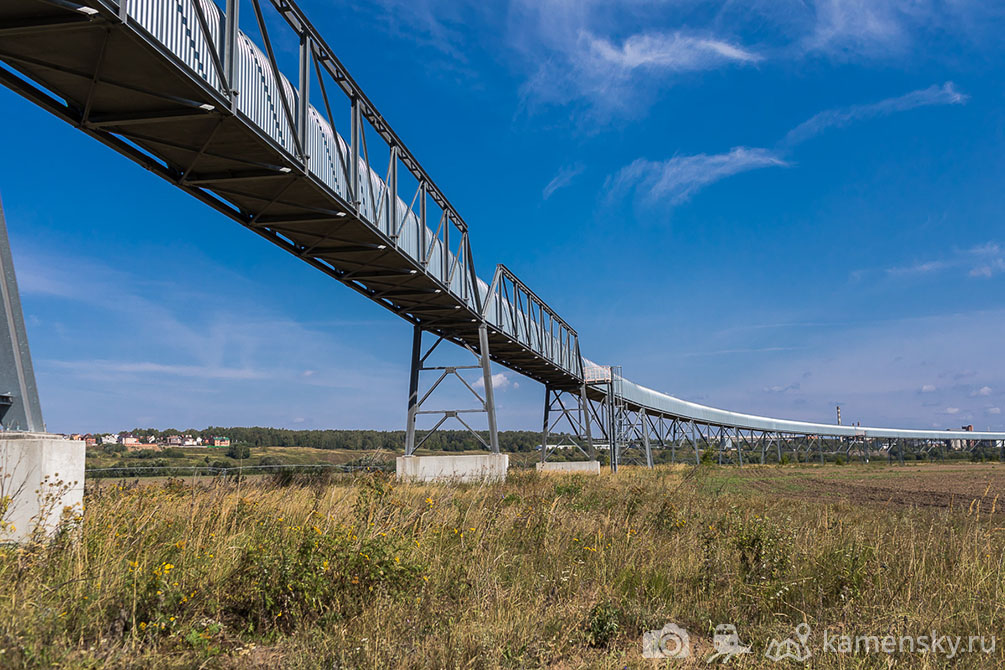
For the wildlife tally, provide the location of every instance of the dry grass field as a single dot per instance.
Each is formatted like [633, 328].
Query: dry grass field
[540, 571]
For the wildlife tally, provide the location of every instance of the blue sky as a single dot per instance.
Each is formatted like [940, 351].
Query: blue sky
[765, 206]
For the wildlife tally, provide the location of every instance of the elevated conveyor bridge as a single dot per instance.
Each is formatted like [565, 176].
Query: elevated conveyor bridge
[195, 92]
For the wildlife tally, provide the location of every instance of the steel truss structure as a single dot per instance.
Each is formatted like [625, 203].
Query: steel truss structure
[195, 92]
[443, 373]
[569, 410]
[644, 438]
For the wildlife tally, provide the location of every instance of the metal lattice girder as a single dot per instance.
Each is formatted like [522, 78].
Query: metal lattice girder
[631, 444]
[569, 411]
[416, 402]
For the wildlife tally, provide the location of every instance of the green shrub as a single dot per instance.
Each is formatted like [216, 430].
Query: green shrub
[570, 488]
[765, 549]
[239, 451]
[293, 575]
[603, 624]
[844, 573]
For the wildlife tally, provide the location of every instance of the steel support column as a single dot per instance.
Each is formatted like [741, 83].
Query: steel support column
[19, 405]
[415, 402]
[490, 399]
[576, 416]
[645, 438]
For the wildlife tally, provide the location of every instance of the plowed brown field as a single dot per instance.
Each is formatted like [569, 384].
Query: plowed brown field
[962, 486]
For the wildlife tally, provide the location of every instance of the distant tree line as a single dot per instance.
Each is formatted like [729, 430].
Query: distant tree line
[364, 440]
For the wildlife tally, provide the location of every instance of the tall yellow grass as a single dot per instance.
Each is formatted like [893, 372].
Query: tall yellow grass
[536, 572]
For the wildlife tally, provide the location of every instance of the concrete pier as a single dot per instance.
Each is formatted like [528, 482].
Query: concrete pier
[41, 476]
[466, 468]
[580, 467]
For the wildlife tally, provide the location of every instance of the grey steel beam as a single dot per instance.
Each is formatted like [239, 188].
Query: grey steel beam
[490, 405]
[379, 275]
[19, 405]
[345, 249]
[163, 116]
[413, 390]
[546, 425]
[231, 31]
[47, 25]
[272, 221]
[251, 175]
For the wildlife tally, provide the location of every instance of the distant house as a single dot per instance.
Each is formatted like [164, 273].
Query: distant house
[109, 439]
[76, 437]
[221, 441]
[190, 441]
[128, 439]
[90, 440]
[150, 439]
[175, 440]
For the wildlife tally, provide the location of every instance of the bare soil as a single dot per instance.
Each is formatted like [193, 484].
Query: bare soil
[965, 487]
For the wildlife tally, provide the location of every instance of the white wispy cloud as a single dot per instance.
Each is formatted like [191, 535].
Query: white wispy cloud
[105, 369]
[738, 350]
[677, 179]
[437, 24]
[564, 177]
[610, 60]
[674, 52]
[839, 118]
[866, 366]
[983, 261]
[614, 56]
[891, 30]
[779, 388]
[918, 268]
[848, 28]
[928, 388]
[988, 260]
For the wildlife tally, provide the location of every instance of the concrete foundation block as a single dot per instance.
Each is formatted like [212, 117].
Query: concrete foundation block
[41, 477]
[466, 468]
[580, 467]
